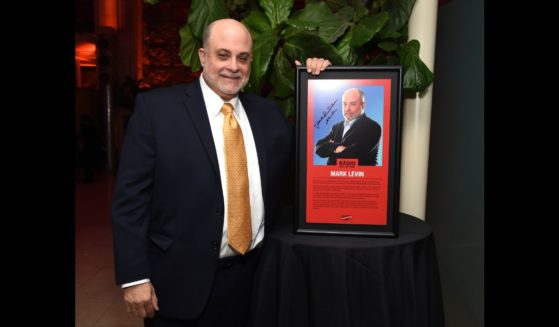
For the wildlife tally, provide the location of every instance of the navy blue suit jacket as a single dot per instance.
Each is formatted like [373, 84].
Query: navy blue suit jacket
[168, 203]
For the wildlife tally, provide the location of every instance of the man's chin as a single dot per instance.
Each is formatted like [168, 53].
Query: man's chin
[351, 118]
[231, 90]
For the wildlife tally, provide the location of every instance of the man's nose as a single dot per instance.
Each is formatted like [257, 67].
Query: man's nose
[233, 65]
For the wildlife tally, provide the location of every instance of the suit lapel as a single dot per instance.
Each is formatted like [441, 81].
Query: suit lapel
[353, 127]
[339, 132]
[196, 109]
[259, 135]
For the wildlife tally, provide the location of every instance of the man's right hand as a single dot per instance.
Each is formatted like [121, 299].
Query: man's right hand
[339, 149]
[141, 300]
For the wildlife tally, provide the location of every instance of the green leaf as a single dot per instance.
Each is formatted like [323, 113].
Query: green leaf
[357, 2]
[345, 14]
[302, 25]
[413, 47]
[336, 4]
[303, 45]
[263, 50]
[288, 106]
[388, 46]
[195, 64]
[360, 12]
[417, 76]
[188, 51]
[399, 12]
[257, 21]
[151, 2]
[378, 60]
[367, 28]
[346, 51]
[330, 26]
[203, 12]
[276, 10]
[384, 34]
[392, 60]
[282, 76]
[288, 32]
[187, 44]
[376, 5]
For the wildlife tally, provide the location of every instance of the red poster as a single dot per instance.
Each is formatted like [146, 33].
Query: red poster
[348, 151]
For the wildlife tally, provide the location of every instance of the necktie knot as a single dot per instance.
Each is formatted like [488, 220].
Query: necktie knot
[227, 108]
[230, 121]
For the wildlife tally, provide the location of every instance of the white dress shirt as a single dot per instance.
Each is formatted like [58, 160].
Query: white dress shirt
[213, 105]
[349, 123]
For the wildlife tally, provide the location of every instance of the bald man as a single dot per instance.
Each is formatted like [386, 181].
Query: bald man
[172, 253]
[356, 136]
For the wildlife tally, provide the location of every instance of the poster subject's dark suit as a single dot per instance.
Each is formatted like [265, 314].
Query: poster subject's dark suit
[168, 205]
[361, 142]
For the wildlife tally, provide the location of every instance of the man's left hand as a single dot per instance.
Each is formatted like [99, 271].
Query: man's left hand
[315, 65]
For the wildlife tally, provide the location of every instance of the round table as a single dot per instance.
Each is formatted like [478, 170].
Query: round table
[343, 281]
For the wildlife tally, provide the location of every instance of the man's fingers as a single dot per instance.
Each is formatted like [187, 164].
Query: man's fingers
[135, 312]
[140, 300]
[316, 65]
[142, 313]
[154, 300]
[310, 63]
[325, 64]
[150, 312]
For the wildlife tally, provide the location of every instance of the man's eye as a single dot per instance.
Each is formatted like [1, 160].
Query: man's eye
[222, 56]
[243, 59]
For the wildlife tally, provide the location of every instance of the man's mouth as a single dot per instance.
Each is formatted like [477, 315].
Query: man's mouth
[231, 77]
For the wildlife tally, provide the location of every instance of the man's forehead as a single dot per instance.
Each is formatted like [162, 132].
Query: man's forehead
[230, 51]
[225, 34]
[351, 94]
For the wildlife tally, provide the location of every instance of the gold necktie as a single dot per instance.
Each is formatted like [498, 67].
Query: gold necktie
[239, 230]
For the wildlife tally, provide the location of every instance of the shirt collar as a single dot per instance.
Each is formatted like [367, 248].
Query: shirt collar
[213, 101]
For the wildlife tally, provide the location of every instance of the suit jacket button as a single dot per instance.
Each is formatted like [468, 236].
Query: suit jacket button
[219, 212]
[214, 245]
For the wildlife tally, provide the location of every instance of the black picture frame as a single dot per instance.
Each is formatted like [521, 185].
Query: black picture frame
[351, 195]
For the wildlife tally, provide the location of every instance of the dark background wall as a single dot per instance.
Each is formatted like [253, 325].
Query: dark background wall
[160, 43]
[455, 195]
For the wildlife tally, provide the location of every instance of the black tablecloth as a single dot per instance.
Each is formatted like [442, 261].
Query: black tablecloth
[339, 281]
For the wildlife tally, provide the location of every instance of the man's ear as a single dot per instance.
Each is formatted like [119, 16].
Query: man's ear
[202, 56]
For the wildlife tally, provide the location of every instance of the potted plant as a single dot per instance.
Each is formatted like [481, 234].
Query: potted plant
[347, 32]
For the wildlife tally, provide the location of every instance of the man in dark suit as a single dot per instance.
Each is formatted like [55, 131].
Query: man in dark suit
[170, 209]
[356, 137]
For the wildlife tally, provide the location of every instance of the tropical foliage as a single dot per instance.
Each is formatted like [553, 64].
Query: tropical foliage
[347, 32]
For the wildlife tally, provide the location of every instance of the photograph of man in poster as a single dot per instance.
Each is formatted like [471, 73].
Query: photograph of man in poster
[356, 136]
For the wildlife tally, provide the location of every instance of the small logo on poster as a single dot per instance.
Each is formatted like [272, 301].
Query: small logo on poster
[346, 217]
[347, 163]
